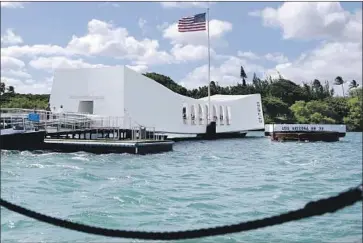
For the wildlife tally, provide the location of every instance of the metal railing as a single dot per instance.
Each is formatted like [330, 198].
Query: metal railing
[18, 119]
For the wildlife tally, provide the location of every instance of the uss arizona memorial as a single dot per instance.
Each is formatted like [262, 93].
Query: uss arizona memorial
[123, 92]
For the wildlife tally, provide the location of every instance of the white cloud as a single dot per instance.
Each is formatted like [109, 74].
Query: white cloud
[249, 55]
[102, 39]
[162, 26]
[340, 54]
[273, 57]
[138, 68]
[311, 20]
[50, 63]
[190, 52]
[112, 4]
[276, 57]
[11, 63]
[11, 81]
[12, 5]
[10, 38]
[218, 29]
[15, 73]
[325, 63]
[35, 50]
[28, 86]
[13, 67]
[152, 57]
[225, 74]
[142, 23]
[106, 40]
[186, 4]
[256, 13]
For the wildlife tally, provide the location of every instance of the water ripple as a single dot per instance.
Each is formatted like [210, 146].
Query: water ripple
[199, 184]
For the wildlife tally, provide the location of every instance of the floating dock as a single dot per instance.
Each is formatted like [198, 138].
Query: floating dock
[72, 132]
[108, 146]
[305, 132]
[35, 140]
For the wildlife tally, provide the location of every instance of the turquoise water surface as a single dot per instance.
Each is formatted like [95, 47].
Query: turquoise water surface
[199, 184]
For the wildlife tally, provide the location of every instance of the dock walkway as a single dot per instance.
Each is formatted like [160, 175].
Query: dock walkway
[72, 132]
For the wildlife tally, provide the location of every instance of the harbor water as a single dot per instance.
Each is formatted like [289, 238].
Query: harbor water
[199, 184]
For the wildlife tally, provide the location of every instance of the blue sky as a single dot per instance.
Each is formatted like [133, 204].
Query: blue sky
[302, 41]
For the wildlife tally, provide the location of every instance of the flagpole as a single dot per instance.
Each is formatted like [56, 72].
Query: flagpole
[209, 107]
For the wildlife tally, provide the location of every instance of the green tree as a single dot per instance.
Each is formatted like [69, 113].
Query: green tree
[2, 88]
[312, 112]
[339, 81]
[300, 112]
[354, 118]
[318, 118]
[328, 92]
[11, 90]
[318, 90]
[260, 86]
[316, 84]
[167, 82]
[353, 84]
[357, 92]
[243, 76]
[274, 107]
[307, 91]
[320, 107]
[287, 91]
[26, 101]
[213, 88]
[338, 107]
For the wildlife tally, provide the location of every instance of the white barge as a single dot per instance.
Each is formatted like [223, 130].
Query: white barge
[305, 132]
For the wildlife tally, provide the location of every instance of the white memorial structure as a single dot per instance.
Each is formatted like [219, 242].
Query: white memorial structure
[122, 92]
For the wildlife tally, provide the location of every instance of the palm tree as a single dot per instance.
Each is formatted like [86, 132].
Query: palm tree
[318, 89]
[280, 76]
[11, 90]
[316, 83]
[353, 84]
[243, 76]
[2, 87]
[339, 81]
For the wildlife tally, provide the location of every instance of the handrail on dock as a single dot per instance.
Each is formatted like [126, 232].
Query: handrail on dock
[17, 118]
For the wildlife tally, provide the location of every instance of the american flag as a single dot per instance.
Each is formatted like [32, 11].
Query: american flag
[193, 23]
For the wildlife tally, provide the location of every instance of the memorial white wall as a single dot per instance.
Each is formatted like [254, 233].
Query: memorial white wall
[120, 91]
[103, 86]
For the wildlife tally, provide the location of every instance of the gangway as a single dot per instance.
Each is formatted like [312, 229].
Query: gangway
[74, 125]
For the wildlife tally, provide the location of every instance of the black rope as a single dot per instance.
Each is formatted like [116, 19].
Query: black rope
[314, 208]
